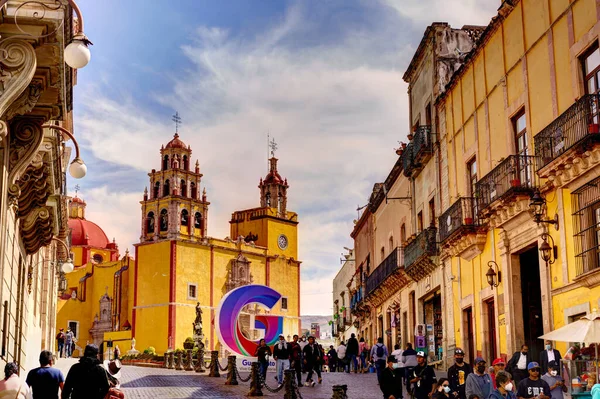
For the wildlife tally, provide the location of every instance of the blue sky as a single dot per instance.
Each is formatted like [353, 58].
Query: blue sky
[324, 77]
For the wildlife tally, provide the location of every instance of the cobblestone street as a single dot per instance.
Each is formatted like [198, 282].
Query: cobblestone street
[142, 382]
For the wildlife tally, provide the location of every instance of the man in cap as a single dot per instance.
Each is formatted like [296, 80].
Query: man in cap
[534, 386]
[281, 354]
[555, 381]
[479, 382]
[113, 369]
[422, 378]
[458, 373]
[498, 365]
[389, 382]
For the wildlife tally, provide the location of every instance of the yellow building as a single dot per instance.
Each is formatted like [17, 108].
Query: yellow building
[520, 118]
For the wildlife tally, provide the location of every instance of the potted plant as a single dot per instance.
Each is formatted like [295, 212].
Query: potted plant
[188, 343]
[515, 182]
[468, 221]
[593, 128]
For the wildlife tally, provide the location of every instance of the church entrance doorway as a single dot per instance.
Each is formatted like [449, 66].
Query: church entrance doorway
[531, 300]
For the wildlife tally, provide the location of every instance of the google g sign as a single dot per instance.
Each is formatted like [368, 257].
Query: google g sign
[229, 332]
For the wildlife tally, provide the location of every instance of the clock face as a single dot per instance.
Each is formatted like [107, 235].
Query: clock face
[282, 241]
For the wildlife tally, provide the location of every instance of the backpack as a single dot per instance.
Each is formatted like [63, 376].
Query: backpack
[380, 352]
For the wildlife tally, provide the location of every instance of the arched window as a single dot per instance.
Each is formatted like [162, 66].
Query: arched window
[166, 188]
[268, 199]
[391, 244]
[164, 220]
[193, 191]
[382, 253]
[165, 164]
[186, 163]
[156, 190]
[150, 223]
[183, 188]
[198, 220]
[185, 218]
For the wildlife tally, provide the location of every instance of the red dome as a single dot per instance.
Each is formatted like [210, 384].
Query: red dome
[80, 228]
[77, 199]
[176, 143]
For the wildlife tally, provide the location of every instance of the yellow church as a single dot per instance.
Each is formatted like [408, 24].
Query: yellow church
[152, 298]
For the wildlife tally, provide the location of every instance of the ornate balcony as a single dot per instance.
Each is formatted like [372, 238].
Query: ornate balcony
[461, 232]
[418, 152]
[505, 191]
[570, 145]
[386, 279]
[420, 254]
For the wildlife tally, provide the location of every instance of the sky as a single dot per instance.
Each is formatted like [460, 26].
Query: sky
[322, 77]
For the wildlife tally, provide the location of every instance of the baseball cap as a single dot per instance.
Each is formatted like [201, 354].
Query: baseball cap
[479, 359]
[533, 365]
[391, 359]
[459, 351]
[421, 353]
[281, 335]
[553, 364]
[497, 361]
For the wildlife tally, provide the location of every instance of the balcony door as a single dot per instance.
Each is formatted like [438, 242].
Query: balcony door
[523, 165]
[590, 63]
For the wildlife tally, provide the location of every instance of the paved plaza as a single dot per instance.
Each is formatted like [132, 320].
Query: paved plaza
[143, 382]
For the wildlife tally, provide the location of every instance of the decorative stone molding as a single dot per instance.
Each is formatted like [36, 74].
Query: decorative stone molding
[18, 67]
[589, 279]
[503, 212]
[467, 246]
[564, 170]
[26, 137]
[25, 103]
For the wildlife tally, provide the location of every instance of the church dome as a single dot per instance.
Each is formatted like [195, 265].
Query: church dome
[84, 232]
[176, 143]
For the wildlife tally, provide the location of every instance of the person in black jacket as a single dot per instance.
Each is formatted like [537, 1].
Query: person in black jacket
[262, 352]
[296, 358]
[333, 359]
[312, 359]
[457, 374]
[388, 382]
[281, 354]
[517, 365]
[86, 379]
[352, 352]
[548, 355]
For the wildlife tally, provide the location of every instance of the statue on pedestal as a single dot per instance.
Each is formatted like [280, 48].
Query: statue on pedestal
[197, 326]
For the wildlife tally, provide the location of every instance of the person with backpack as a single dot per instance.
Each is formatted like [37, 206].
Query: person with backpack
[363, 350]
[352, 353]
[69, 337]
[423, 378]
[341, 355]
[379, 354]
[60, 339]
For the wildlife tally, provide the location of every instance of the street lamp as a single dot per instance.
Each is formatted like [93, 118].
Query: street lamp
[77, 169]
[492, 273]
[548, 252]
[537, 207]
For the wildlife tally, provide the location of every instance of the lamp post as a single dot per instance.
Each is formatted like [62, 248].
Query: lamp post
[493, 275]
[77, 169]
[549, 252]
[537, 207]
[65, 267]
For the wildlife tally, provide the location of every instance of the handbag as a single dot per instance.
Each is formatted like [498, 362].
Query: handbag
[113, 393]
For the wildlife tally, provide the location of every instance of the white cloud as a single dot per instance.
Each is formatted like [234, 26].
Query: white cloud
[337, 111]
[455, 12]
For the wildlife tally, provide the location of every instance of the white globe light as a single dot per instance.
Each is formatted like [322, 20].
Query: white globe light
[77, 54]
[77, 168]
[68, 267]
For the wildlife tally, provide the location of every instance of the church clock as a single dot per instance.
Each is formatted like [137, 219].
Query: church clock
[282, 241]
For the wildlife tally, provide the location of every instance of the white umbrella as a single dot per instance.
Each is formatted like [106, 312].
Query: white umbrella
[586, 329]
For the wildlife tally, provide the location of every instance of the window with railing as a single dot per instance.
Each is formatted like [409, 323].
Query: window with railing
[586, 226]
[462, 214]
[383, 271]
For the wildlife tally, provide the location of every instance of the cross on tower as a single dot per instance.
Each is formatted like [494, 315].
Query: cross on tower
[177, 119]
[273, 146]
[77, 189]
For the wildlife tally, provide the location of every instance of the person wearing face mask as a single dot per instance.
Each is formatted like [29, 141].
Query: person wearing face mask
[556, 382]
[388, 382]
[498, 365]
[517, 365]
[281, 354]
[504, 386]
[548, 355]
[479, 382]
[442, 389]
[534, 386]
[458, 373]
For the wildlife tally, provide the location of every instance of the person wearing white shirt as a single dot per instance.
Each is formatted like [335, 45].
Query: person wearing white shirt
[344, 365]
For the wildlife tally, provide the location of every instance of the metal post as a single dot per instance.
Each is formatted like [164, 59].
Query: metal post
[166, 361]
[255, 383]
[214, 364]
[231, 373]
[171, 363]
[179, 361]
[188, 361]
[200, 362]
[289, 376]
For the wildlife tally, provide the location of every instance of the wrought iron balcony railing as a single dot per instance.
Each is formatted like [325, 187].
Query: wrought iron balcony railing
[513, 175]
[356, 298]
[418, 151]
[425, 245]
[576, 125]
[407, 159]
[384, 270]
[461, 215]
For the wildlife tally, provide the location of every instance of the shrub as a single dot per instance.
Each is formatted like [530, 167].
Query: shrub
[150, 351]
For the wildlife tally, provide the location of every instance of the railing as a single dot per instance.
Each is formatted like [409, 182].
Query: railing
[383, 271]
[407, 159]
[576, 124]
[463, 213]
[514, 174]
[424, 245]
[422, 141]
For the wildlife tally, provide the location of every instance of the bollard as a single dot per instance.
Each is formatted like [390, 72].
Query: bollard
[255, 383]
[179, 361]
[171, 363]
[200, 362]
[214, 364]
[166, 361]
[289, 376]
[231, 374]
[339, 392]
[189, 363]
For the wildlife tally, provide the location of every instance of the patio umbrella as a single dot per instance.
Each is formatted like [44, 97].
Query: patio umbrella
[586, 329]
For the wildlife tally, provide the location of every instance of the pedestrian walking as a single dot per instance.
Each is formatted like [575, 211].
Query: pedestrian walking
[296, 358]
[312, 358]
[333, 359]
[497, 366]
[422, 378]
[548, 355]
[389, 382]
[281, 354]
[69, 343]
[379, 354]
[364, 350]
[262, 352]
[479, 382]
[86, 379]
[555, 381]
[12, 387]
[504, 386]
[60, 340]
[352, 353]
[533, 386]
[442, 389]
[117, 353]
[458, 373]
[517, 365]
[399, 365]
[409, 359]
[113, 374]
[341, 354]
[45, 380]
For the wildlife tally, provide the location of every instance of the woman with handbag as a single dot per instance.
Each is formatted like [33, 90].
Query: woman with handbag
[11, 387]
[86, 379]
